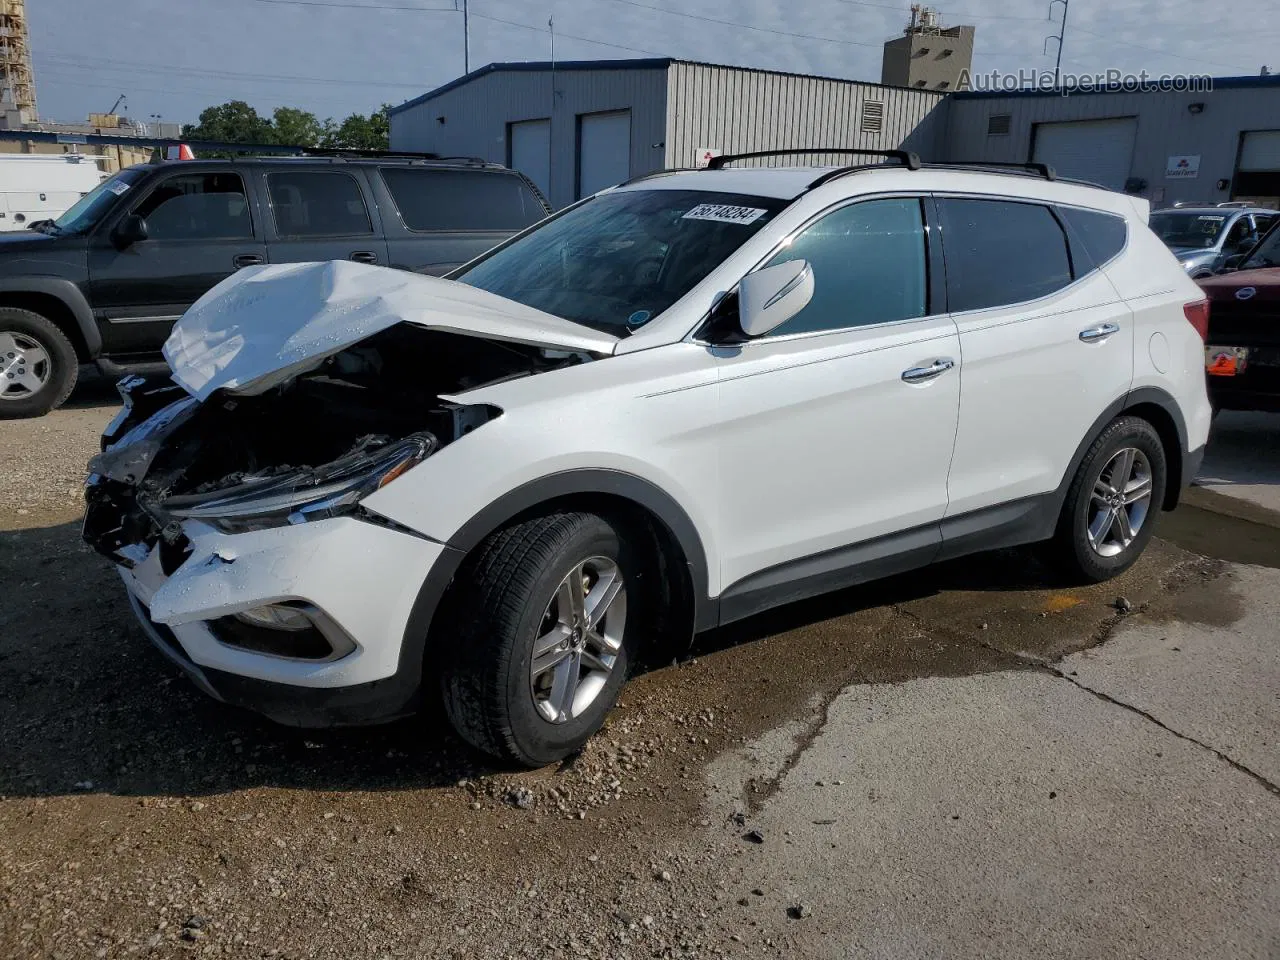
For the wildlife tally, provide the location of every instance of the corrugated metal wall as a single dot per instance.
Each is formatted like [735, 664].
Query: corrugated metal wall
[1166, 128]
[476, 115]
[735, 110]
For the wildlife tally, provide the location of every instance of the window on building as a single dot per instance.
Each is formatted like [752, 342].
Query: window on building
[461, 199]
[197, 206]
[982, 238]
[868, 262]
[318, 204]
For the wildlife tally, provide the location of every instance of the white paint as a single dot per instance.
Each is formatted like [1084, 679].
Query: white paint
[604, 151]
[531, 152]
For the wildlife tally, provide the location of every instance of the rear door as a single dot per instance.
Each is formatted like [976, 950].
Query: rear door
[1047, 345]
[320, 214]
[438, 219]
[201, 228]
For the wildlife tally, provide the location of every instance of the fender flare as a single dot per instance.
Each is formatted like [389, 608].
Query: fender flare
[70, 296]
[497, 514]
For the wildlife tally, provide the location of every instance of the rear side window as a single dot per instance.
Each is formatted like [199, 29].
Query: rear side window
[317, 204]
[437, 200]
[1101, 234]
[197, 206]
[1000, 252]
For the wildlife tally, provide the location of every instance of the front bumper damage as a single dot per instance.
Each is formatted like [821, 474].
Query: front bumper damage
[184, 581]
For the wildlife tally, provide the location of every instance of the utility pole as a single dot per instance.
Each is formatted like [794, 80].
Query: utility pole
[1061, 34]
[466, 38]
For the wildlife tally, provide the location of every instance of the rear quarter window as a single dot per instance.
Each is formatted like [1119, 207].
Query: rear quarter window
[443, 200]
[1102, 235]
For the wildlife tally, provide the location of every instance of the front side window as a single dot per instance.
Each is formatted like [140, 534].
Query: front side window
[461, 199]
[86, 212]
[197, 206]
[1266, 253]
[869, 266]
[620, 259]
[1188, 230]
[317, 204]
[1001, 252]
[1240, 237]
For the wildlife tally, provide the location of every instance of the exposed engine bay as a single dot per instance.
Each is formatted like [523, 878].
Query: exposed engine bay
[306, 448]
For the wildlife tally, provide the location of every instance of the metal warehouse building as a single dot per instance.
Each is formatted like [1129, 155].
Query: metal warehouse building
[577, 127]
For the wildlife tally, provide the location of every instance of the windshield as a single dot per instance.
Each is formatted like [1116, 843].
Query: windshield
[620, 259]
[1187, 229]
[91, 208]
[1266, 253]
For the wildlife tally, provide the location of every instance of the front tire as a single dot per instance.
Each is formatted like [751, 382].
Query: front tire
[38, 364]
[1111, 506]
[541, 636]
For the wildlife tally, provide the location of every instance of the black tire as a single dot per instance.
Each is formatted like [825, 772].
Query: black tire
[1071, 549]
[63, 365]
[492, 618]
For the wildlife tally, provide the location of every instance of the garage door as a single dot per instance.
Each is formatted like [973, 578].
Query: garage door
[604, 150]
[530, 151]
[1258, 177]
[1096, 150]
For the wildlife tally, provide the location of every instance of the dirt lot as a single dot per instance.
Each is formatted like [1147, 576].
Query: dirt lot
[940, 764]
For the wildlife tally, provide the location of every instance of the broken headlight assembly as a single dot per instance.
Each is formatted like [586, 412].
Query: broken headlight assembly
[296, 495]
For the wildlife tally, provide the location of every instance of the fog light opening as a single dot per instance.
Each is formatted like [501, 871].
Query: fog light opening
[290, 630]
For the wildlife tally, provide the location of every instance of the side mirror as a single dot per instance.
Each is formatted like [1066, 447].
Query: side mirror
[770, 297]
[132, 229]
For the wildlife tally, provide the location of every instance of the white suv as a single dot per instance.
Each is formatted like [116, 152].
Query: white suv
[677, 403]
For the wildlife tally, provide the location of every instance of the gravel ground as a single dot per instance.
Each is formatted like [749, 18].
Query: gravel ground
[139, 818]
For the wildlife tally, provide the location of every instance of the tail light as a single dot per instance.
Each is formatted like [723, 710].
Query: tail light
[1197, 313]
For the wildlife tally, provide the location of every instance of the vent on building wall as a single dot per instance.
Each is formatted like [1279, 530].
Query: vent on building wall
[998, 125]
[872, 116]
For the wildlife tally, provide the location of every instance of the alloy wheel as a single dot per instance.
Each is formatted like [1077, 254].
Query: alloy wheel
[25, 366]
[579, 640]
[1120, 502]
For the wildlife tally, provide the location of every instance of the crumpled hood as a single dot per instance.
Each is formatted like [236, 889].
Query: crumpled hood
[264, 325]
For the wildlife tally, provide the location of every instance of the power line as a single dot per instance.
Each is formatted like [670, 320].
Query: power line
[171, 69]
[1163, 53]
[747, 26]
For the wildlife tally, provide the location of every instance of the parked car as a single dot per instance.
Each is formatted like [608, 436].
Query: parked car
[105, 281]
[36, 187]
[679, 402]
[1242, 358]
[1204, 237]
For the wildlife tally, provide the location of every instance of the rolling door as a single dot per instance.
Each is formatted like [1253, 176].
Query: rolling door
[1257, 178]
[1097, 150]
[604, 150]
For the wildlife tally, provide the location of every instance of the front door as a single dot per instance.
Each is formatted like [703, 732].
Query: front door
[200, 230]
[837, 427]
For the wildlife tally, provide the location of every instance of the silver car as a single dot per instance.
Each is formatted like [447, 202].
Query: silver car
[1203, 236]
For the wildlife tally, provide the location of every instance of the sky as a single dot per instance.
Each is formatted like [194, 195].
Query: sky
[334, 57]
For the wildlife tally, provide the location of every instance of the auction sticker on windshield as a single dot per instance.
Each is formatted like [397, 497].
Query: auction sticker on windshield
[724, 213]
[118, 188]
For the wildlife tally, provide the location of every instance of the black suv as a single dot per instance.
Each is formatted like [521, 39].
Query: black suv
[105, 281]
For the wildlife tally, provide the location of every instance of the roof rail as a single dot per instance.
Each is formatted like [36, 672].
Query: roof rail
[1235, 203]
[910, 160]
[1042, 169]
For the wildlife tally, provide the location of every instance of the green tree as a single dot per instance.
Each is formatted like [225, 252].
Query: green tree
[358, 132]
[297, 127]
[234, 121]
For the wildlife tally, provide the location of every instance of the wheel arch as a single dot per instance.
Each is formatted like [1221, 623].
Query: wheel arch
[62, 303]
[621, 497]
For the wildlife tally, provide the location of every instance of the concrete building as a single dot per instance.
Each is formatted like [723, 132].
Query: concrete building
[928, 56]
[17, 85]
[70, 138]
[579, 126]
[582, 126]
[1198, 144]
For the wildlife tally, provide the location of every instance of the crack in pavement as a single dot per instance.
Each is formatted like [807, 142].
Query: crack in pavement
[1045, 666]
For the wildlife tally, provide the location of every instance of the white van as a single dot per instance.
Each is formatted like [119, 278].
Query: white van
[42, 187]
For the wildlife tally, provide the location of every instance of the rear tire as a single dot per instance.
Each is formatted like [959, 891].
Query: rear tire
[38, 364]
[1111, 506]
[533, 672]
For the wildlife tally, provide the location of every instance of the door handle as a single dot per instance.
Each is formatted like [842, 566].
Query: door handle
[247, 260]
[1100, 332]
[364, 256]
[925, 374]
